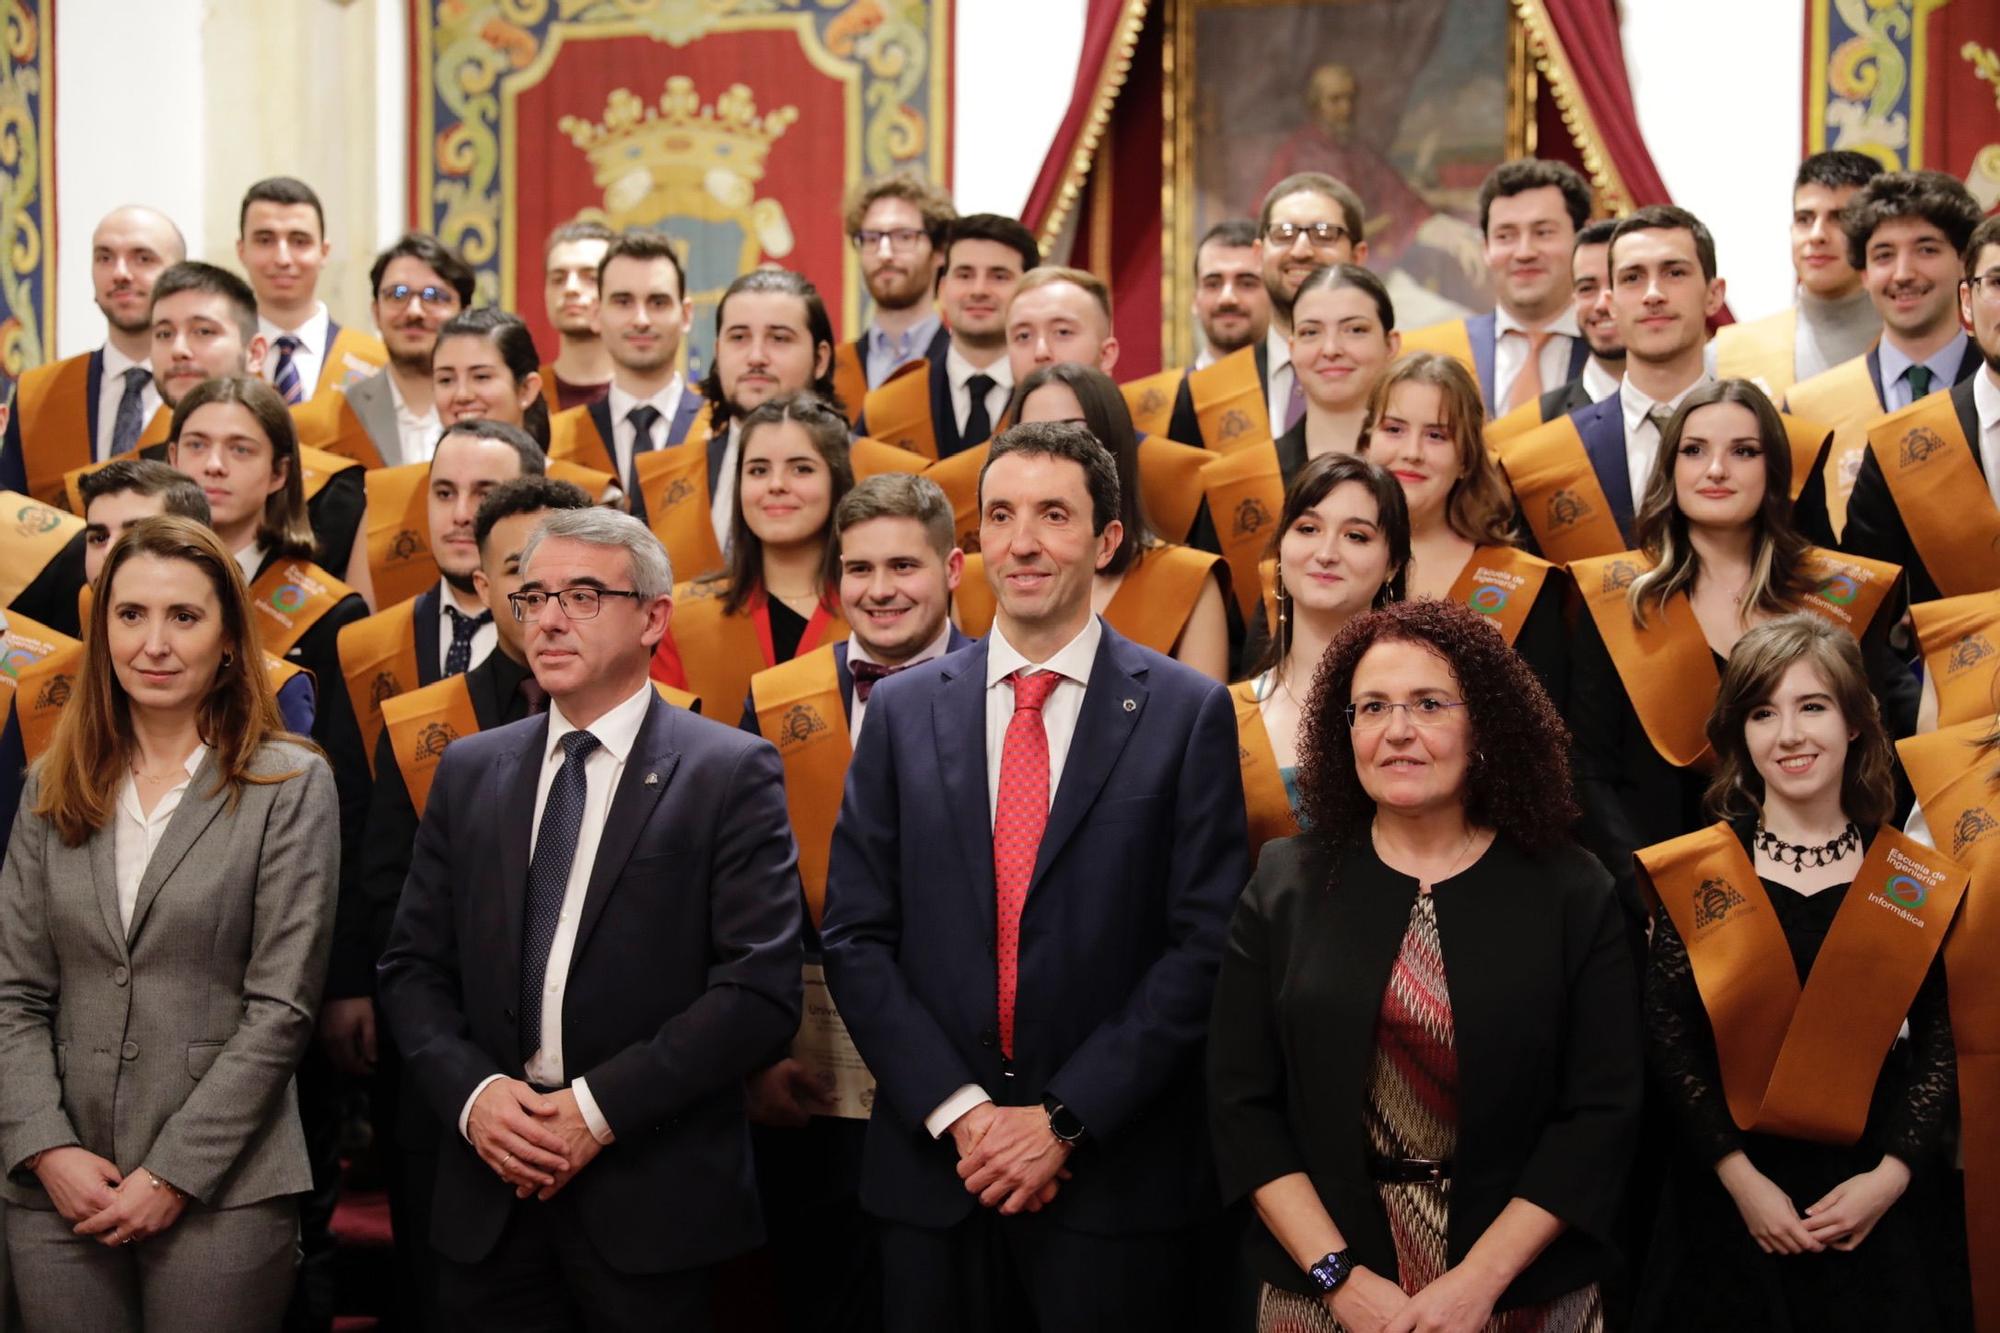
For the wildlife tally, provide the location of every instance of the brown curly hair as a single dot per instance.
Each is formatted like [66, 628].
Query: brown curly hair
[1518, 779]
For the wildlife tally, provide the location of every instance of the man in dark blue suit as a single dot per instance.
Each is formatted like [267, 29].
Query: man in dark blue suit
[1031, 990]
[599, 939]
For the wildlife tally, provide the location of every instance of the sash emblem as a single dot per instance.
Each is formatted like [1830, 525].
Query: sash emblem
[1233, 424]
[1152, 401]
[1968, 652]
[55, 693]
[1919, 445]
[1567, 509]
[1619, 574]
[32, 520]
[1713, 903]
[1973, 825]
[1489, 599]
[679, 493]
[433, 739]
[407, 545]
[801, 723]
[383, 687]
[1252, 516]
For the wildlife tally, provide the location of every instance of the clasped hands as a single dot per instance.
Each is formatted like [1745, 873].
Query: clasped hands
[101, 1201]
[534, 1141]
[1009, 1157]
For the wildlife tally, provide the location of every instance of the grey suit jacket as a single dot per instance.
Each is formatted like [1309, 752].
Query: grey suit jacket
[374, 404]
[172, 1045]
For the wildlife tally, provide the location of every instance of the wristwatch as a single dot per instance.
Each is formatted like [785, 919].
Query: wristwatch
[1063, 1122]
[1329, 1273]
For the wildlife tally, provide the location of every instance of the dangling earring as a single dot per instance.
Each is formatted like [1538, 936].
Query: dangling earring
[1284, 617]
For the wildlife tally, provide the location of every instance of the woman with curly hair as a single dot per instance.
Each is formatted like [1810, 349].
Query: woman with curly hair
[1783, 966]
[1436, 956]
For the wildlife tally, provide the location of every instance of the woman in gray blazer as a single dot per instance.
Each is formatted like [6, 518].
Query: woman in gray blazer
[166, 909]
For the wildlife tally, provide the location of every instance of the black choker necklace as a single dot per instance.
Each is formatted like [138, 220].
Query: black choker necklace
[1795, 855]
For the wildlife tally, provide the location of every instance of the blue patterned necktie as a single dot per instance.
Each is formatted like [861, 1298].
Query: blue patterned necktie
[548, 880]
[458, 657]
[125, 427]
[285, 375]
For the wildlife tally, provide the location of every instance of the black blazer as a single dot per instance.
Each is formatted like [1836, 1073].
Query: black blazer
[685, 974]
[1545, 1012]
[1876, 527]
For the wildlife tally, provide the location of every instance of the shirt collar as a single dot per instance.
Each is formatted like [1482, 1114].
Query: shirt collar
[116, 363]
[1943, 363]
[858, 651]
[1636, 404]
[958, 370]
[403, 412]
[1072, 661]
[312, 333]
[917, 336]
[250, 559]
[616, 731]
[1598, 382]
[1986, 399]
[667, 401]
[1564, 323]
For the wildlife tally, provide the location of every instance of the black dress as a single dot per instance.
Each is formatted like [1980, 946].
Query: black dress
[1705, 1272]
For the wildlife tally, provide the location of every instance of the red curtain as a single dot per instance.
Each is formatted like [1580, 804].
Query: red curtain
[1582, 63]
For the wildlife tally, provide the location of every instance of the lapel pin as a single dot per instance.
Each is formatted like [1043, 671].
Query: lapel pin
[652, 779]
[1131, 706]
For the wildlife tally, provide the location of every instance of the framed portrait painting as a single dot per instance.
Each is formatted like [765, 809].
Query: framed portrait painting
[1410, 102]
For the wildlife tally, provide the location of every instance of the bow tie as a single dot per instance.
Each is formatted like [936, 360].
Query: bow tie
[866, 674]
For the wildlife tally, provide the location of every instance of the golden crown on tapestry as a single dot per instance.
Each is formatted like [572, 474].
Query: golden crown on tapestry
[681, 159]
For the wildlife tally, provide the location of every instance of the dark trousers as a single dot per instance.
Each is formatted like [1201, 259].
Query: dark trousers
[993, 1274]
[311, 1309]
[820, 1259]
[543, 1276]
[408, 1135]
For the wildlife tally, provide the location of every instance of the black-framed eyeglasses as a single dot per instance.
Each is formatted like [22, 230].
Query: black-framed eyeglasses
[1986, 284]
[577, 603]
[1322, 233]
[1374, 714]
[400, 293]
[901, 240]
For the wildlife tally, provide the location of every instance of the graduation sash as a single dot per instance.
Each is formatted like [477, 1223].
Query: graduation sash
[1803, 1061]
[290, 598]
[573, 436]
[587, 479]
[871, 458]
[1843, 399]
[378, 658]
[958, 478]
[31, 535]
[52, 404]
[1151, 400]
[1246, 493]
[1228, 397]
[551, 397]
[1170, 485]
[1151, 606]
[1512, 425]
[398, 526]
[850, 381]
[422, 724]
[1447, 339]
[41, 690]
[899, 410]
[1560, 496]
[1939, 490]
[326, 421]
[1960, 638]
[674, 485]
[1501, 583]
[1269, 808]
[800, 710]
[353, 357]
[1955, 789]
[1762, 351]
[154, 435]
[26, 643]
[1667, 668]
[1847, 590]
[713, 656]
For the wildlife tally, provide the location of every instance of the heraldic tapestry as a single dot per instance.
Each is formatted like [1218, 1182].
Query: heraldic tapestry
[734, 126]
[27, 186]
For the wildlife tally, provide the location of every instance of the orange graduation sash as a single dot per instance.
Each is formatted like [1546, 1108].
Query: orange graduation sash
[1151, 400]
[52, 404]
[1151, 606]
[1847, 590]
[899, 410]
[1763, 351]
[1229, 403]
[958, 478]
[1559, 493]
[872, 458]
[573, 436]
[719, 653]
[1803, 1062]
[1960, 637]
[398, 524]
[1269, 808]
[551, 398]
[1843, 399]
[799, 710]
[42, 688]
[1501, 583]
[25, 644]
[1512, 425]
[1246, 493]
[589, 480]
[353, 357]
[674, 484]
[1447, 339]
[1170, 485]
[378, 657]
[325, 421]
[422, 724]
[1939, 490]
[1955, 789]
[289, 598]
[31, 535]
[1667, 668]
[850, 380]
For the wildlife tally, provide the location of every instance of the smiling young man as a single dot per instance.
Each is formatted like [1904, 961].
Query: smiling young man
[1590, 292]
[281, 243]
[1031, 991]
[582, 371]
[898, 226]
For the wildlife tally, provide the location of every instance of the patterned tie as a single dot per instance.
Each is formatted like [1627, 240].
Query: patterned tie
[1527, 385]
[1019, 818]
[866, 674]
[1920, 379]
[1295, 403]
[458, 657]
[125, 427]
[978, 421]
[285, 375]
[548, 880]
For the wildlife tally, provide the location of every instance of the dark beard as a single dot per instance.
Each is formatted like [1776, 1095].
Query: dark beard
[460, 583]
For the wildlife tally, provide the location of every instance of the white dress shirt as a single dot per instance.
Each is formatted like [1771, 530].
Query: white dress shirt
[418, 434]
[1059, 714]
[958, 370]
[112, 390]
[722, 505]
[136, 834]
[1642, 437]
[1598, 382]
[857, 652]
[315, 341]
[616, 733]
[1986, 403]
[484, 639]
[625, 435]
[1279, 376]
[250, 559]
[1510, 354]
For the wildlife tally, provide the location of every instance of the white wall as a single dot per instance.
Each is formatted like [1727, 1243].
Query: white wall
[1015, 69]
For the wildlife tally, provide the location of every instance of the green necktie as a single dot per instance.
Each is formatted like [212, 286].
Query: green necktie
[1920, 381]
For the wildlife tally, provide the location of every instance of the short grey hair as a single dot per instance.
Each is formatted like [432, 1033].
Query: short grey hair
[652, 571]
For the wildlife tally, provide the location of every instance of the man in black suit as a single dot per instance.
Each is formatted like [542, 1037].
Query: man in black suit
[598, 940]
[1031, 989]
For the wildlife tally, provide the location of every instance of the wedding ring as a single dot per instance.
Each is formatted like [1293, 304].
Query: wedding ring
[504, 1160]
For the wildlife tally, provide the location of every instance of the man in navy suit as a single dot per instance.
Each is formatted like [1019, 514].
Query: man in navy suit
[599, 939]
[1031, 990]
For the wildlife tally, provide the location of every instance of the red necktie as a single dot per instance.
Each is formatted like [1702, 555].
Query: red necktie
[1018, 820]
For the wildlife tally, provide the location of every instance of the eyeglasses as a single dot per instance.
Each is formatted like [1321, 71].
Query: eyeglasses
[577, 603]
[1374, 714]
[1986, 284]
[1322, 233]
[401, 292]
[901, 241]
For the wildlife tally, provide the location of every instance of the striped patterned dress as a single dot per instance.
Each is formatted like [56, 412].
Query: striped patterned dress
[1413, 1112]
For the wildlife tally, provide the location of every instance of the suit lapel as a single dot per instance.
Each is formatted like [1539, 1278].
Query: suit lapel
[1482, 333]
[1602, 426]
[375, 407]
[1967, 412]
[513, 788]
[424, 626]
[649, 769]
[199, 806]
[718, 453]
[104, 873]
[1113, 702]
[944, 414]
[690, 407]
[600, 417]
[958, 715]
[1874, 361]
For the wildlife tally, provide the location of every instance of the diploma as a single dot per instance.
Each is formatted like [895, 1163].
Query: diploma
[823, 1046]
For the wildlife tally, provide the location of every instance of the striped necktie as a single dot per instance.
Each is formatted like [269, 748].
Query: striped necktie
[285, 375]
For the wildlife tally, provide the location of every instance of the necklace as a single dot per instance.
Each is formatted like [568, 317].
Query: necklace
[1425, 886]
[1795, 854]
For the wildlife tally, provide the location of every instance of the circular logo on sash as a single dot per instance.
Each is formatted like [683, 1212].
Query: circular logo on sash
[1488, 599]
[16, 660]
[1840, 589]
[288, 597]
[32, 520]
[1906, 891]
